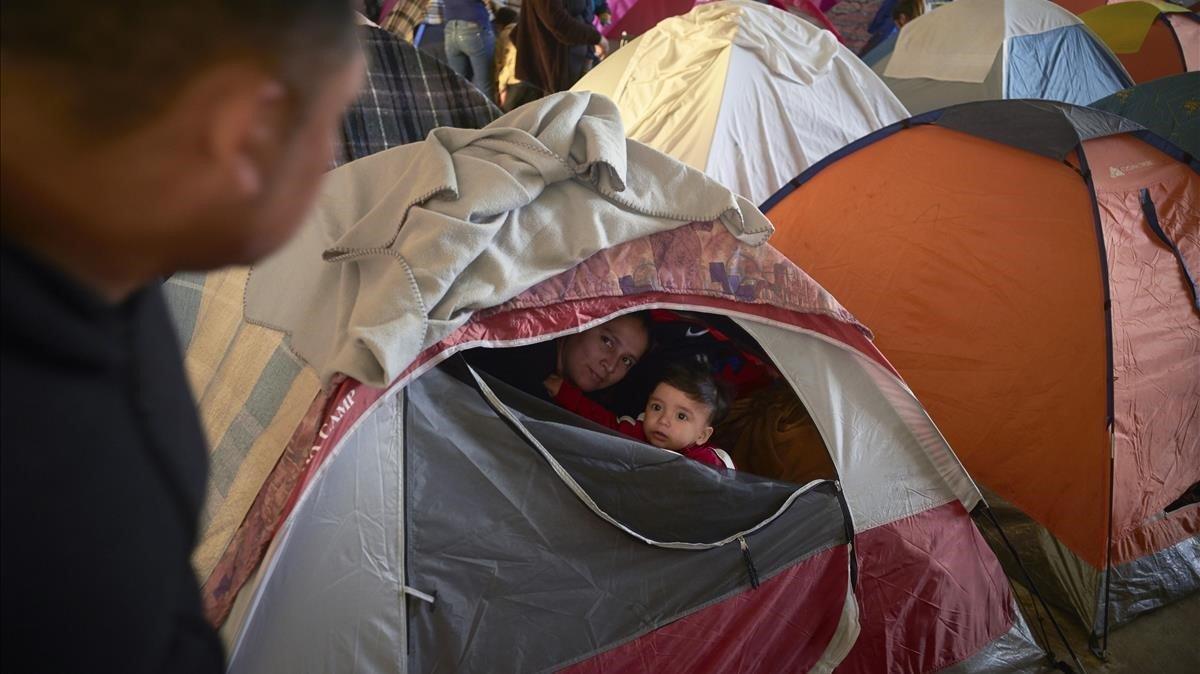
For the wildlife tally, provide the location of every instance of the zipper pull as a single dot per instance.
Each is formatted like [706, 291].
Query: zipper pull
[750, 569]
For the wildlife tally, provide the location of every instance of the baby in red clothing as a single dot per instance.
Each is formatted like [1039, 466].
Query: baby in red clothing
[679, 416]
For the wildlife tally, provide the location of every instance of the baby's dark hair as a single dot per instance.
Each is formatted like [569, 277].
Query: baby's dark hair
[695, 380]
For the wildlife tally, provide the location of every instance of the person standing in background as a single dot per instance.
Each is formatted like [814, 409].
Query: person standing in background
[138, 139]
[470, 43]
[431, 34]
[506, 52]
[552, 41]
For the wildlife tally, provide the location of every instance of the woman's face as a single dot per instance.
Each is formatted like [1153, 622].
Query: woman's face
[602, 356]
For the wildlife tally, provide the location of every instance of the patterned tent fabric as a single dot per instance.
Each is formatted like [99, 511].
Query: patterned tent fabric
[407, 94]
[1169, 106]
[853, 20]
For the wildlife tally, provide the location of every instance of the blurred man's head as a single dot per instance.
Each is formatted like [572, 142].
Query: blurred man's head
[167, 134]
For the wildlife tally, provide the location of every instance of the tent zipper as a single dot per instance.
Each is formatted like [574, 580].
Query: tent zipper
[751, 570]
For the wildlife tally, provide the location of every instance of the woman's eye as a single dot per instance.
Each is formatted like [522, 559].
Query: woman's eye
[607, 340]
[655, 406]
[627, 361]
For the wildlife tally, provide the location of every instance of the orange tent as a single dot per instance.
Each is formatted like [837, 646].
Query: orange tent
[1030, 269]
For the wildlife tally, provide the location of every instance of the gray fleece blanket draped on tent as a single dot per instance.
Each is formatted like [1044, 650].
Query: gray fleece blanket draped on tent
[405, 245]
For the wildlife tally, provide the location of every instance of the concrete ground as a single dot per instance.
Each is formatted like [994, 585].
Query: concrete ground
[1165, 641]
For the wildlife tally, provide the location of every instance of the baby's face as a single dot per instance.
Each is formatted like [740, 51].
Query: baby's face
[674, 421]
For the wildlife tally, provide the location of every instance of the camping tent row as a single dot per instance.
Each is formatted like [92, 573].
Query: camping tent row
[721, 87]
[444, 521]
[974, 50]
[1030, 268]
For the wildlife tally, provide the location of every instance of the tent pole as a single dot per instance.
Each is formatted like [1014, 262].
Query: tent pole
[1036, 593]
[1110, 413]
[1112, 470]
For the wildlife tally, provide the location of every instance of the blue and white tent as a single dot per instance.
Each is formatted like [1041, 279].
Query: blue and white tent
[973, 50]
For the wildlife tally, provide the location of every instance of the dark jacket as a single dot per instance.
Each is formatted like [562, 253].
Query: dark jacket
[546, 32]
[104, 466]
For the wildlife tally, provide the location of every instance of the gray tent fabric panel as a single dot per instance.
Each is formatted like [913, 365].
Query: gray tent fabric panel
[522, 569]
[919, 94]
[1069, 582]
[333, 602]
[1042, 127]
[1091, 123]
[1151, 582]
[703, 505]
[1062, 578]
[1014, 652]
[1066, 64]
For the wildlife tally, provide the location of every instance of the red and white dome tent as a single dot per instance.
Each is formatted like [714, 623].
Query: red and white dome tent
[436, 520]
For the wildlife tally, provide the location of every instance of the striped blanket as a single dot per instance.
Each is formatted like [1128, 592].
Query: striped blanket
[252, 393]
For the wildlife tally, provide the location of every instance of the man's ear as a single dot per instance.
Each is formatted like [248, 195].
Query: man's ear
[704, 435]
[247, 124]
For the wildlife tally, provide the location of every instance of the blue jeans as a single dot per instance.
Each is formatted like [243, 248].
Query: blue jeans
[470, 48]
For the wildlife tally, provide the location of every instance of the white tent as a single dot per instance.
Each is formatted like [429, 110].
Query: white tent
[747, 93]
[976, 50]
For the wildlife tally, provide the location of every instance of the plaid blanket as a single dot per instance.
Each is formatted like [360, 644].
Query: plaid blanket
[407, 94]
[402, 18]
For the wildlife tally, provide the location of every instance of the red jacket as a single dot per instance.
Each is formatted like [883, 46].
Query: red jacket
[571, 398]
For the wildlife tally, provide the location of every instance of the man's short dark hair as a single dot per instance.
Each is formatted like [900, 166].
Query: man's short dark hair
[694, 379]
[118, 63]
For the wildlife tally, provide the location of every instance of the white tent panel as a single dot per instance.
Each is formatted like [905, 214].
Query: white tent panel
[922, 94]
[891, 459]
[926, 48]
[747, 93]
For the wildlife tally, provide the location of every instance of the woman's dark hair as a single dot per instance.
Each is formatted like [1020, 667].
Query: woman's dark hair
[643, 318]
[695, 380]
